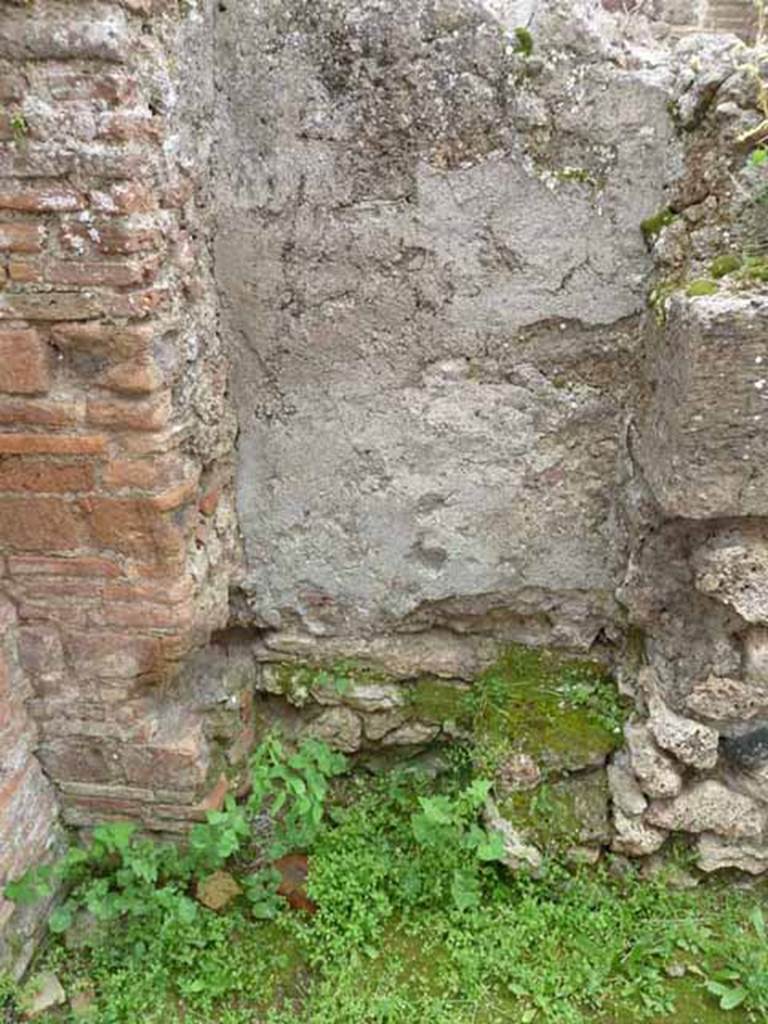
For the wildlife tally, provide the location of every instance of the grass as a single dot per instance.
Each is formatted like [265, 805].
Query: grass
[388, 946]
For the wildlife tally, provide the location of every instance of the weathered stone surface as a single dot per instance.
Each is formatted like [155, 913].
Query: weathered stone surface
[691, 742]
[516, 772]
[431, 316]
[733, 567]
[218, 890]
[44, 992]
[375, 697]
[728, 700]
[633, 837]
[716, 853]
[518, 853]
[656, 772]
[756, 655]
[339, 727]
[585, 800]
[436, 652]
[377, 725]
[709, 806]
[412, 733]
[704, 448]
[626, 794]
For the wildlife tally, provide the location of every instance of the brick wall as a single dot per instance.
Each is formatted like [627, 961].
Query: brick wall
[115, 522]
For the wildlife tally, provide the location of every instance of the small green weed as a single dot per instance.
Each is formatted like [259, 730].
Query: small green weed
[19, 126]
[524, 41]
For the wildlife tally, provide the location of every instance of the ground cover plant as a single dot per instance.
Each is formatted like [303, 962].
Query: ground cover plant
[407, 916]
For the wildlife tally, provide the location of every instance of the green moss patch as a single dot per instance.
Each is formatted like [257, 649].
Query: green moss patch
[724, 265]
[436, 700]
[565, 713]
[654, 225]
[701, 287]
[562, 814]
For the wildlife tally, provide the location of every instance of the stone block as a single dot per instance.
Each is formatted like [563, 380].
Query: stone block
[709, 806]
[704, 443]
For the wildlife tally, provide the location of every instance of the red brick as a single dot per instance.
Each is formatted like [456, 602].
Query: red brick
[29, 565]
[111, 275]
[40, 651]
[146, 615]
[137, 377]
[116, 162]
[23, 363]
[181, 494]
[49, 306]
[41, 524]
[104, 339]
[120, 655]
[44, 476]
[55, 199]
[125, 198]
[136, 305]
[210, 501]
[112, 88]
[12, 87]
[129, 127]
[25, 271]
[63, 611]
[170, 590]
[132, 526]
[21, 237]
[110, 238]
[52, 444]
[38, 413]
[159, 443]
[78, 758]
[36, 160]
[61, 586]
[148, 474]
[127, 414]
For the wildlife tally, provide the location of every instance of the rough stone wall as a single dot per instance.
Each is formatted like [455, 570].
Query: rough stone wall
[696, 486]
[432, 280]
[459, 426]
[114, 518]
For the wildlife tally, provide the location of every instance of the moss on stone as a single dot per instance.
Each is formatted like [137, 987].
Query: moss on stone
[524, 44]
[655, 224]
[754, 269]
[558, 815]
[563, 712]
[439, 701]
[703, 286]
[295, 680]
[724, 265]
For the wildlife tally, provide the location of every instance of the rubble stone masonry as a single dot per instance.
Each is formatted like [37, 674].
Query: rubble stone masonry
[117, 521]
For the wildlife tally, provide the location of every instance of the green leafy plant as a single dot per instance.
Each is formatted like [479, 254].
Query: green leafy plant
[19, 126]
[119, 874]
[447, 826]
[745, 978]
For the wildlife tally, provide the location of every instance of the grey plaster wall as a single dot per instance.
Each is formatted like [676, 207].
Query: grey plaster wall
[432, 273]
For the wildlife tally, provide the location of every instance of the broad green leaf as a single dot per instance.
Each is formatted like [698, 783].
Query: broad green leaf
[732, 999]
[60, 919]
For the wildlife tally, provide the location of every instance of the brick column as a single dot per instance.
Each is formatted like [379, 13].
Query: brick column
[114, 515]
